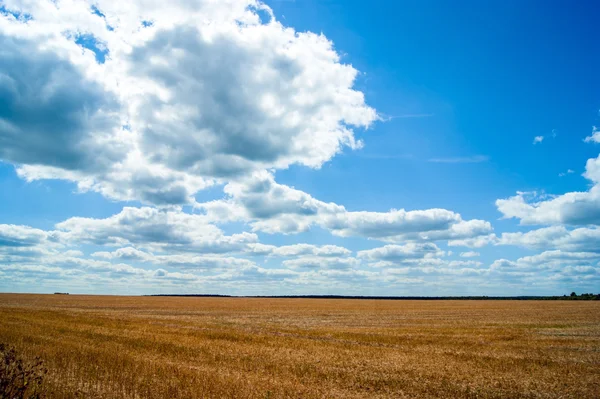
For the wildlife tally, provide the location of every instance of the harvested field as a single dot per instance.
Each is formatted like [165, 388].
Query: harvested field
[165, 347]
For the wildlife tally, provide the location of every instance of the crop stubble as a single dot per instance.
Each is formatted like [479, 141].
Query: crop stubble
[181, 347]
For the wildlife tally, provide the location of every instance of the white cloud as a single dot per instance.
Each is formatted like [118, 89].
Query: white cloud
[594, 137]
[308, 249]
[469, 159]
[207, 91]
[559, 259]
[464, 263]
[401, 225]
[23, 236]
[568, 172]
[427, 264]
[319, 262]
[38, 261]
[275, 208]
[186, 260]
[573, 208]
[151, 227]
[555, 237]
[474, 242]
[470, 254]
[538, 139]
[402, 252]
[70, 266]
[552, 266]
[297, 250]
[52, 114]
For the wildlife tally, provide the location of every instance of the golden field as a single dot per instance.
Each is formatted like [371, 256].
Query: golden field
[166, 347]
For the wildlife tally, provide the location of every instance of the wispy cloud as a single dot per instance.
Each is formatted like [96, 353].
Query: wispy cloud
[469, 159]
[568, 172]
[405, 116]
[595, 137]
[413, 116]
[538, 139]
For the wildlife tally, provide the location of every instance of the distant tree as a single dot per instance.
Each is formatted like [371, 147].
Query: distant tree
[573, 294]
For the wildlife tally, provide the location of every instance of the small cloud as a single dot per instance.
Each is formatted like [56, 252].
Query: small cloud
[595, 137]
[413, 116]
[384, 156]
[554, 133]
[470, 159]
[469, 254]
[538, 139]
[568, 172]
[405, 116]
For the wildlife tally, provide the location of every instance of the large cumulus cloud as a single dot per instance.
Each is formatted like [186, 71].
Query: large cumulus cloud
[189, 92]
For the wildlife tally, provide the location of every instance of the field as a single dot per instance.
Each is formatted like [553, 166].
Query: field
[161, 347]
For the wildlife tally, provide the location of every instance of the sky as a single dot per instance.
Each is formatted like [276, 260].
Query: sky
[299, 147]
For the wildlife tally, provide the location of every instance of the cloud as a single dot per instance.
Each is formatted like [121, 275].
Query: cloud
[317, 262]
[132, 180]
[22, 236]
[428, 266]
[259, 249]
[407, 116]
[187, 261]
[128, 253]
[254, 274]
[151, 227]
[159, 241]
[402, 252]
[51, 113]
[276, 98]
[573, 208]
[594, 137]
[275, 208]
[555, 237]
[538, 140]
[397, 225]
[301, 250]
[549, 266]
[464, 263]
[470, 254]
[417, 258]
[48, 260]
[568, 172]
[205, 92]
[469, 159]
[559, 259]
[478, 241]
[40, 265]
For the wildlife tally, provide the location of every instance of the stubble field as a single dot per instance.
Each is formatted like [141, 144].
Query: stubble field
[165, 347]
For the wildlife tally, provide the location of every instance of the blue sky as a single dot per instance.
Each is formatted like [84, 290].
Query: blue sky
[330, 148]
